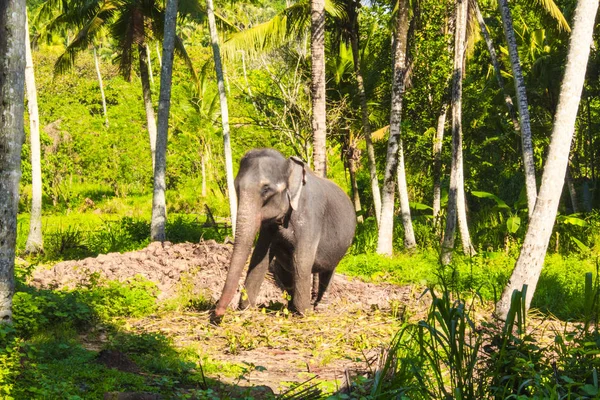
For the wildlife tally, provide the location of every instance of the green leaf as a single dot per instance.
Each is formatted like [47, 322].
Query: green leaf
[582, 247]
[571, 220]
[419, 206]
[513, 223]
[486, 195]
[590, 390]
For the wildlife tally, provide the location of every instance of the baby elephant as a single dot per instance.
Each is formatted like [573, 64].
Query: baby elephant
[304, 223]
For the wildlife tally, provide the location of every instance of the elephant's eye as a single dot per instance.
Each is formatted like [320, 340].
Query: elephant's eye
[266, 189]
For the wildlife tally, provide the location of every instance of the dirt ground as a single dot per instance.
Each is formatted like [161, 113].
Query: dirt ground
[343, 336]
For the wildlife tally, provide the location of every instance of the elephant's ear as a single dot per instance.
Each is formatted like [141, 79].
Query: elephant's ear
[296, 180]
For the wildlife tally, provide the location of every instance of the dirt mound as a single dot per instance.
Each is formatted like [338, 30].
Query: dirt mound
[200, 269]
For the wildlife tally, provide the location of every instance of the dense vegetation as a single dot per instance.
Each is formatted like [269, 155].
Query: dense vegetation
[98, 182]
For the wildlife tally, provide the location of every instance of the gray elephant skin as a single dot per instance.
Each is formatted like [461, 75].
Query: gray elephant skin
[305, 225]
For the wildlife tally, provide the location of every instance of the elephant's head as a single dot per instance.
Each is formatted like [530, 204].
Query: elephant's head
[268, 187]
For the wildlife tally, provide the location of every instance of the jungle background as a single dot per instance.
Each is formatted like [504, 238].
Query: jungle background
[97, 199]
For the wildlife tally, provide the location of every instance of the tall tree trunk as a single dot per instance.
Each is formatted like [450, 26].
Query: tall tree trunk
[365, 119]
[159, 205]
[101, 84]
[409, 234]
[437, 164]
[353, 155]
[494, 58]
[526, 142]
[147, 93]
[224, 112]
[317, 48]
[149, 58]
[386, 223]
[159, 57]
[456, 192]
[12, 94]
[531, 259]
[35, 242]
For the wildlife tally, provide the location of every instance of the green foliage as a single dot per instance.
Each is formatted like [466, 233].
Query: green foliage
[37, 310]
[447, 355]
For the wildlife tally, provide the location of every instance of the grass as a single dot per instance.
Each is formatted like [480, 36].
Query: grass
[52, 349]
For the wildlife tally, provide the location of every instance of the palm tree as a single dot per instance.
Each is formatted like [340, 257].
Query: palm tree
[386, 223]
[437, 163]
[101, 84]
[531, 259]
[159, 206]
[496, 64]
[456, 196]
[12, 93]
[352, 13]
[410, 242]
[317, 49]
[131, 23]
[526, 143]
[34, 239]
[214, 37]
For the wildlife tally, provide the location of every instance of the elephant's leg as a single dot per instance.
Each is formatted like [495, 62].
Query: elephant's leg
[315, 287]
[303, 263]
[324, 280]
[259, 264]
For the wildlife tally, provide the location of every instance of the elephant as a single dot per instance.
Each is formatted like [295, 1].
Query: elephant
[305, 225]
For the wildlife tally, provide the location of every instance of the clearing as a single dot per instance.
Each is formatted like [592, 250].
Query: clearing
[268, 347]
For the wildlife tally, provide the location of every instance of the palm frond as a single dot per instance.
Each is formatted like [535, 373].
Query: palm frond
[128, 30]
[270, 34]
[48, 9]
[552, 9]
[84, 37]
[181, 52]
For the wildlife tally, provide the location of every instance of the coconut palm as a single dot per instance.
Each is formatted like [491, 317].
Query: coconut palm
[531, 259]
[525, 124]
[159, 207]
[12, 94]
[456, 195]
[386, 223]
[214, 37]
[131, 23]
[34, 239]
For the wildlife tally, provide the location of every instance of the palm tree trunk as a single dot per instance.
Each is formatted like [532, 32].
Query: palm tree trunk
[159, 57]
[317, 48]
[455, 199]
[34, 243]
[386, 223]
[159, 205]
[526, 142]
[12, 93]
[365, 122]
[147, 93]
[531, 259]
[409, 234]
[149, 58]
[437, 164]
[353, 155]
[224, 112]
[494, 58]
[101, 84]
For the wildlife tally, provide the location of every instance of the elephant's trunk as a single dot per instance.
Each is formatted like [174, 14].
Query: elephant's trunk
[248, 222]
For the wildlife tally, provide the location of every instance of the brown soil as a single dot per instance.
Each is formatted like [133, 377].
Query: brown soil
[174, 267]
[354, 323]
